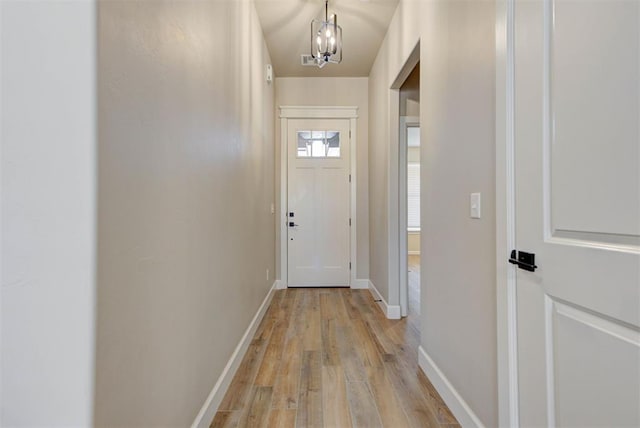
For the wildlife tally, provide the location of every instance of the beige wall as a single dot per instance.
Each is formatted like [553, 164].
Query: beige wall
[413, 154]
[413, 243]
[378, 179]
[410, 94]
[335, 91]
[186, 180]
[457, 116]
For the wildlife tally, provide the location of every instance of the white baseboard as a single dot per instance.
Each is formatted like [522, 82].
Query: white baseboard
[279, 284]
[413, 253]
[392, 311]
[360, 284]
[460, 409]
[210, 407]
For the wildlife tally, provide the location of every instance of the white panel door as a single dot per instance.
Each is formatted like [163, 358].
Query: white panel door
[578, 209]
[318, 203]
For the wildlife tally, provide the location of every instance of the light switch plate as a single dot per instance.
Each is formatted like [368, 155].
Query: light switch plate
[475, 205]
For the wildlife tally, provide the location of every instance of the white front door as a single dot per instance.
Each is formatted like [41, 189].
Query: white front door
[318, 203]
[577, 166]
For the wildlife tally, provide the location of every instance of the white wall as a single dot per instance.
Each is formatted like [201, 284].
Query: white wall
[457, 150]
[335, 91]
[48, 143]
[186, 181]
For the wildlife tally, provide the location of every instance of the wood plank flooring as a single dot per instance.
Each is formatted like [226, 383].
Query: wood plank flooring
[330, 358]
[413, 280]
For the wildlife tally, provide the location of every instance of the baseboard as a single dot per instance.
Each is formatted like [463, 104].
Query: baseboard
[413, 253]
[460, 409]
[210, 407]
[360, 284]
[391, 311]
[279, 284]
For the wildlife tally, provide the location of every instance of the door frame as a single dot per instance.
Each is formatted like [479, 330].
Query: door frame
[313, 112]
[393, 185]
[406, 122]
[506, 292]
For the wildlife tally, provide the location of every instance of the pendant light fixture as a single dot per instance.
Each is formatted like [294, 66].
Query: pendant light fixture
[326, 39]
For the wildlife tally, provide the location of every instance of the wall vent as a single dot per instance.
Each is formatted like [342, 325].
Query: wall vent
[307, 60]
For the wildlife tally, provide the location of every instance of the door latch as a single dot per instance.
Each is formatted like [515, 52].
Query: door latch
[525, 261]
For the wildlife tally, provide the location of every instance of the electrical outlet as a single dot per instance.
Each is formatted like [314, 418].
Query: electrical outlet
[273, 208]
[267, 274]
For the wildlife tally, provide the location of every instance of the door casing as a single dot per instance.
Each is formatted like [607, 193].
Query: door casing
[506, 304]
[309, 112]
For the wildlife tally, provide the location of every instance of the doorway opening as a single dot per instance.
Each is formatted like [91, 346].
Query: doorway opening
[404, 110]
[409, 194]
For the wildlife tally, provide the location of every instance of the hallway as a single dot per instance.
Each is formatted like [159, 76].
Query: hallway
[169, 168]
[329, 357]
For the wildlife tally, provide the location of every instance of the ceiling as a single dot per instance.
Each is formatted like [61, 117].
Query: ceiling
[286, 27]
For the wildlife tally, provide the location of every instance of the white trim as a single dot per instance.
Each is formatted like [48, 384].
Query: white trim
[313, 112]
[279, 285]
[506, 297]
[353, 142]
[210, 406]
[394, 232]
[360, 284]
[391, 311]
[284, 270]
[378, 297]
[406, 122]
[413, 253]
[452, 398]
[547, 117]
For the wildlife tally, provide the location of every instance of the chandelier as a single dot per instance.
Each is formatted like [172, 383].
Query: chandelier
[326, 39]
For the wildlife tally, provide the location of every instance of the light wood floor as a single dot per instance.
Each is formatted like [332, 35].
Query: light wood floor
[329, 357]
[413, 280]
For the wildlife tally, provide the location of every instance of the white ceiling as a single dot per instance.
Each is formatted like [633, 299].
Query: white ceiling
[286, 27]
